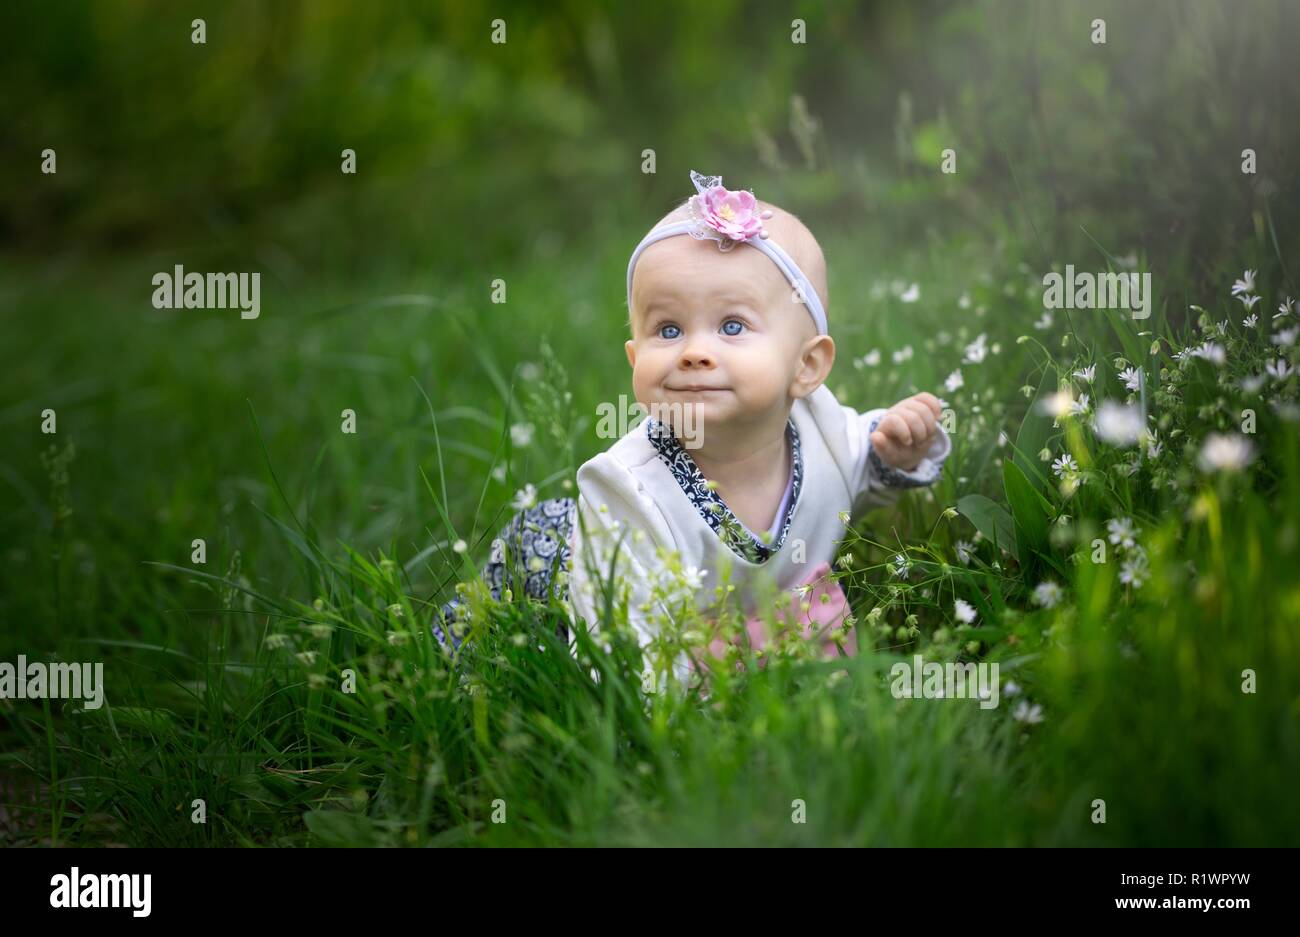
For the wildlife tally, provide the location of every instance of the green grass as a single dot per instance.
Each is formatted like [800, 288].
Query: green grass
[329, 552]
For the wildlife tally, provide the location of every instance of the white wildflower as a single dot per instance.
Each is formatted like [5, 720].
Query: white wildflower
[1118, 424]
[1279, 370]
[1132, 378]
[912, 294]
[1056, 405]
[976, 350]
[1026, 713]
[1123, 533]
[1210, 351]
[526, 498]
[1047, 594]
[964, 611]
[1286, 336]
[1248, 301]
[1225, 452]
[963, 549]
[1245, 285]
[1045, 321]
[954, 381]
[521, 434]
[1250, 321]
[1086, 374]
[1134, 571]
[1065, 465]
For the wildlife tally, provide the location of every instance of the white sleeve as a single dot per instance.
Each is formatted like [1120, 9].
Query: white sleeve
[878, 483]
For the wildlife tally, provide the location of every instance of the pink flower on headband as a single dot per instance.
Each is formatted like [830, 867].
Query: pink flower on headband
[734, 215]
[718, 214]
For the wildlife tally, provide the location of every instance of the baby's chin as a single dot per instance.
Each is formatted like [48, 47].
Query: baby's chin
[673, 403]
[689, 410]
[724, 410]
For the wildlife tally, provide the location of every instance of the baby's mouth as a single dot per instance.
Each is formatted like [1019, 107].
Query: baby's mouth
[696, 389]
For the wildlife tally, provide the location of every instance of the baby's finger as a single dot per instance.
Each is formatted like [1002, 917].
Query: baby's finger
[884, 446]
[931, 402]
[914, 423]
[895, 427]
[927, 417]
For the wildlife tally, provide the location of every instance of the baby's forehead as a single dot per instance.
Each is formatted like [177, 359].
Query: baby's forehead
[681, 268]
[676, 258]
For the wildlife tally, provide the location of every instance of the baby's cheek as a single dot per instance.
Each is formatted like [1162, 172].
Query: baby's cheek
[640, 391]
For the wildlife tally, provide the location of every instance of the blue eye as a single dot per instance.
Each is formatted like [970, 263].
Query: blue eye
[661, 331]
[730, 322]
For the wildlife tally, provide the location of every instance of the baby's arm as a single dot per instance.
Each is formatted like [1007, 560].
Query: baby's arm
[896, 448]
[904, 435]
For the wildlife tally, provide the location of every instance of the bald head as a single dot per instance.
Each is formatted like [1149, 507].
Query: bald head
[784, 228]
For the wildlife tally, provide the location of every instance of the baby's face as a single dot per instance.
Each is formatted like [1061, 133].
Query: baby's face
[718, 330]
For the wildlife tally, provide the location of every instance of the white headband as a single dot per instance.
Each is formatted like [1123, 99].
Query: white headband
[732, 218]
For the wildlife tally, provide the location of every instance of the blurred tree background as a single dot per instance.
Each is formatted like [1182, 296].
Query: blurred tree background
[469, 150]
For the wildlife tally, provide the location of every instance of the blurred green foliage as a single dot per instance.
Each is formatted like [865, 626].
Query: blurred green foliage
[523, 161]
[469, 150]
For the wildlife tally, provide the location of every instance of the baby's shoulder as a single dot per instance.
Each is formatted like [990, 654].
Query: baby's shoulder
[821, 415]
[832, 432]
[625, 485]
[624, 476]
[630, 454]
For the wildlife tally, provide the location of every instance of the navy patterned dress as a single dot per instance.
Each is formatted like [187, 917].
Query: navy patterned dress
[531, 550]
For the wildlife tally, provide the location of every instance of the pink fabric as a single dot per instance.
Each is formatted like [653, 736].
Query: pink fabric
[819, 619]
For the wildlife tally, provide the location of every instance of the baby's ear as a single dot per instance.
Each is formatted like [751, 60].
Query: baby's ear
[815, 365]
[630, 347]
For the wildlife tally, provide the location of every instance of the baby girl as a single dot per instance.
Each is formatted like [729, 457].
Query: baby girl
[747, 467]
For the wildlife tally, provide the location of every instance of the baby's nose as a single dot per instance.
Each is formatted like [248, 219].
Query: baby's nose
[696, 358]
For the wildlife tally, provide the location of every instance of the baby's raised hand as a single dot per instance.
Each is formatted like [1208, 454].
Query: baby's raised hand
[905, 432]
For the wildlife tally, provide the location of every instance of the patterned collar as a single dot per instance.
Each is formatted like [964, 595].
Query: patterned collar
[743, 542]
